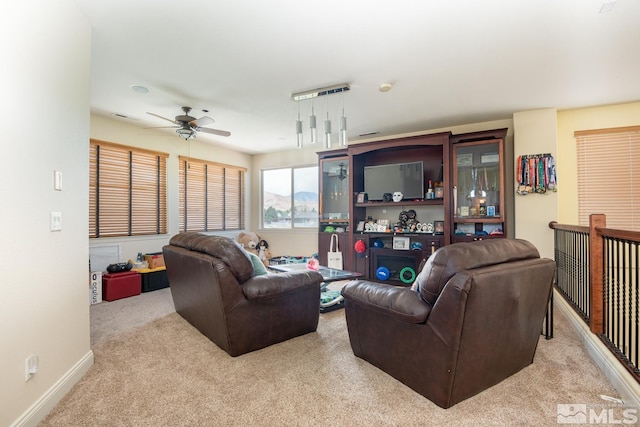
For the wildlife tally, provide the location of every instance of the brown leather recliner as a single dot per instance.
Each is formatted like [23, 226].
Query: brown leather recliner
[213, 288]
[474, 320]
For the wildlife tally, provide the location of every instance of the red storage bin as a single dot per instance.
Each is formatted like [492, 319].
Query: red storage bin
[120, 285]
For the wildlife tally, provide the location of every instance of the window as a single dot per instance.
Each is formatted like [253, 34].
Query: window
[127, 191]
[211, 196]
[608, 182]
[290, 198]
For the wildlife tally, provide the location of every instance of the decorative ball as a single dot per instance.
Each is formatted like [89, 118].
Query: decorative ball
[360, 247]
[382, 273]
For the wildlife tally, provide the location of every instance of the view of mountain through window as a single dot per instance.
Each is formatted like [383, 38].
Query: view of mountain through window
[290, 198]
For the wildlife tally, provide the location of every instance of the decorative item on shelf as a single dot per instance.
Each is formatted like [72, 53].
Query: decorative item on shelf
[397, 196]
[416, 246]
[407, 275]
[536, 173]
[439, 192]
[362, 198]
[491, 211]
[429, 228]
[387, 197]
[401, 243]
[360, 247]
[377, 243]
[438, 227]
[430, 193]
[382, 273]
[401, 226]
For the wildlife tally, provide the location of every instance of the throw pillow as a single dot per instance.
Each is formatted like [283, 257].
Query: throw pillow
[258, 266]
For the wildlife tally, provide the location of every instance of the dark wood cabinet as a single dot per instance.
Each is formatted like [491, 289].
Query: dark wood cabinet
[478, 175]
[465, 168]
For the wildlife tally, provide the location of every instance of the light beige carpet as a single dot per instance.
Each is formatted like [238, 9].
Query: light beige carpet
[154, 369]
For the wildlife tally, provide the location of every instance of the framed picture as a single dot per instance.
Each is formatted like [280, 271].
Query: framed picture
[360, 226]
[438, 227]
[439, 192]
[464, 210]
[401, 243]
[362, 198]
[491, 211]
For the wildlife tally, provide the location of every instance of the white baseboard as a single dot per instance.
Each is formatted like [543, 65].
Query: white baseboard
[44, 405]
[620, 378]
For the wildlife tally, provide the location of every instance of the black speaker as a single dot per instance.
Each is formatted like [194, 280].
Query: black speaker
[119, 267]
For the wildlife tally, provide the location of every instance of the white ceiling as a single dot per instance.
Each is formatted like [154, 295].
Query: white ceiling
[451, 62]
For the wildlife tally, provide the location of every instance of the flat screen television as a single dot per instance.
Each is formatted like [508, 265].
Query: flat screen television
[408, 178]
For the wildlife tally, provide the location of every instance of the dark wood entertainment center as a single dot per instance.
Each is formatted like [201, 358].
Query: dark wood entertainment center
[470, 171]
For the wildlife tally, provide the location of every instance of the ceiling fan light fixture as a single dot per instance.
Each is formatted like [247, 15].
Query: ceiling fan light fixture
[185, 133]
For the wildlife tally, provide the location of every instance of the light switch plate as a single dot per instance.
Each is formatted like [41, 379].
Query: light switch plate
[56, 221]
[57, 180]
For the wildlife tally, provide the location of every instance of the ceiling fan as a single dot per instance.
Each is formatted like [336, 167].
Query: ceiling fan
[187, 126]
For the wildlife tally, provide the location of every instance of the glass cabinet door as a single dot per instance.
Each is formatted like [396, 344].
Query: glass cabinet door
[334, 193]
[478, 192]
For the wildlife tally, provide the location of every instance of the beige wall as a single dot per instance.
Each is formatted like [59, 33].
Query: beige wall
[535, 133]
[44, 111]
[569, 121]
[121, 132]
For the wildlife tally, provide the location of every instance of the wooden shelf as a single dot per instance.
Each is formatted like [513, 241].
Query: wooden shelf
[483, 219]
[434, 202]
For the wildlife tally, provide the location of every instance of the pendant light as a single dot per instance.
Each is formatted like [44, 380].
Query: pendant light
[299, 130]
[312, 125]
[327, 132]
[311, 95]
[343, 129]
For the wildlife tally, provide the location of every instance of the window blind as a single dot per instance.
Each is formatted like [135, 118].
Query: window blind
[607, 180]
[127, 191]
[211, 196]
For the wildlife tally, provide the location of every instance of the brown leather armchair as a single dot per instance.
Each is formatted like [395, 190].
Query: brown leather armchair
[213, 288]
[474, 318]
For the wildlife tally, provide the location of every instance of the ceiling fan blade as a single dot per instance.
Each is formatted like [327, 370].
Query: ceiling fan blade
[202, 121]
[163, 127]
[160, 117]
[214, 131]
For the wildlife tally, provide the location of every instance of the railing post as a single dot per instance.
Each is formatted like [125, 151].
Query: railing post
[596, 273]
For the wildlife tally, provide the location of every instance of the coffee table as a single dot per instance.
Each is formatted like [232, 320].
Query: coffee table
[329, 300]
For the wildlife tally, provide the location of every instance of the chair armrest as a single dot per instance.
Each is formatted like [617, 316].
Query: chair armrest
[401, 303]
[275, 285]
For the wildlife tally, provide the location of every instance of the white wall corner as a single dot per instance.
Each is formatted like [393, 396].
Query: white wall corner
[41, 407]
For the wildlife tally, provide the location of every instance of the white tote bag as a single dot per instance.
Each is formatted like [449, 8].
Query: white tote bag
[334, 256]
